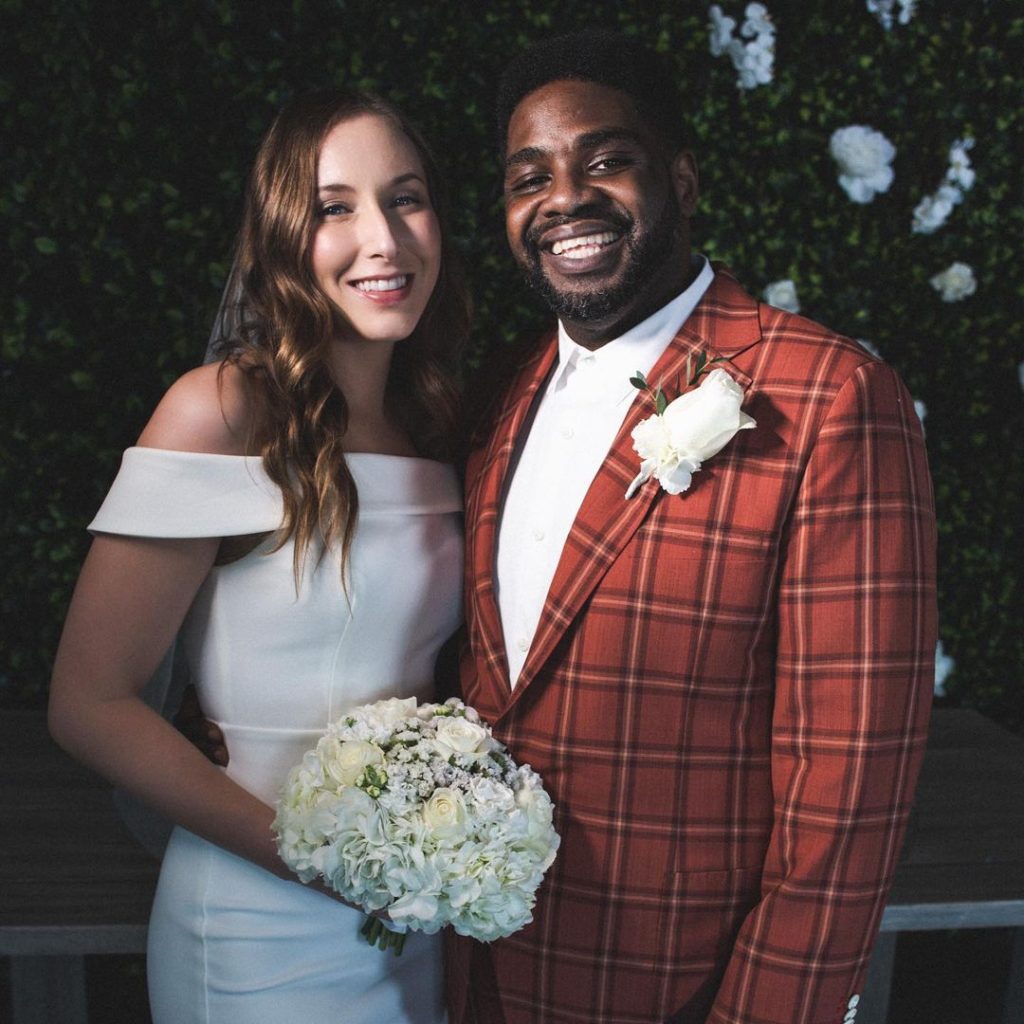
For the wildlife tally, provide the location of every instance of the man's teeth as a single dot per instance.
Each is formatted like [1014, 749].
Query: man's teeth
[582, 246]
[383, 284]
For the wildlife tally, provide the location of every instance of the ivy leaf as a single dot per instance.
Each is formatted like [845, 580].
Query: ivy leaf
[660, 401]
[639, 381]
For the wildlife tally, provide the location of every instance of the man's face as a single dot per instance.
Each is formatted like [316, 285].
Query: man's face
[595, 208]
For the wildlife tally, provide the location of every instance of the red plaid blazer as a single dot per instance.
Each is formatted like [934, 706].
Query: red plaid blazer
[727, 695]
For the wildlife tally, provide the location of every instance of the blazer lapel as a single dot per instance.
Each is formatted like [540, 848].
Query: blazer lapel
[485, 488]
[724, 324]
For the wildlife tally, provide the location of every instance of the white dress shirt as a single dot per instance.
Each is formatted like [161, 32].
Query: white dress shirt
[574, 423]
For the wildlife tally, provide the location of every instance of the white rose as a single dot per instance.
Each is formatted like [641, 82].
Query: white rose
[863, 156]
[696, 426]
[782, 295]
[956, 282]
[461, 736]
[445, 812]
[350, 758]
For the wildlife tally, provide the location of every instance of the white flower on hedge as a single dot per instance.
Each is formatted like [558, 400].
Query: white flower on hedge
[869, 346]
[758, 21]
[932, 211]
[956, 282]
[922, 410]
[864, 157]
[883, 11]
[721, 27]
[753, 60]
[782, 295]
[693, 428]
[960, 171]
[944, 665]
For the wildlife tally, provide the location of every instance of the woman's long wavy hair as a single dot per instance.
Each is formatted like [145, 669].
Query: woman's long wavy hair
[283, 326]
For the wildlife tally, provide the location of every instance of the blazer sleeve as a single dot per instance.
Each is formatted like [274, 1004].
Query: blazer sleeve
[854, 676]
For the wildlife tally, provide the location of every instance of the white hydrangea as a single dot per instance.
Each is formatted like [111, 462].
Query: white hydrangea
[956, 282]
[864, 157]
[753, 59]
[782, 295]
[944, 665]
[883, 10]
[420, 811]
[932, 211]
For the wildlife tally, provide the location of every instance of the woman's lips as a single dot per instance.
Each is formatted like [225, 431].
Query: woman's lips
[386, 290]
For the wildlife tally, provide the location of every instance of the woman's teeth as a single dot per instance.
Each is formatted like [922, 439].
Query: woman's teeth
[582, 246]
[383, 284]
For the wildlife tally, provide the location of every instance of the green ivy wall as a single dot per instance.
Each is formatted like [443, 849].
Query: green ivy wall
[128, 130]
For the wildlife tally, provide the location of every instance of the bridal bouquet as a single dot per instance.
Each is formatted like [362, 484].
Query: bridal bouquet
[420, 812]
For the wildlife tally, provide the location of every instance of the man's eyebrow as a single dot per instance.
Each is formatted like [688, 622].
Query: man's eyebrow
[603, 135]
[586, 141]
[524, 156]
[400, 180]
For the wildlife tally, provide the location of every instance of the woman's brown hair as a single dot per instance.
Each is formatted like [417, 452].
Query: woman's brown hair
[283, 325]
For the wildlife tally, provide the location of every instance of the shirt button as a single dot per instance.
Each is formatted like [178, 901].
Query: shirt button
[538, 534]
[522, 643]
[568, 433]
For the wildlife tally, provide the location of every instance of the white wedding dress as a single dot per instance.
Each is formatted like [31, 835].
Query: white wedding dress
[274, 662]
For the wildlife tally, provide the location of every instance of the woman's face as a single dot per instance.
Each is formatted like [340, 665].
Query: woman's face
[377, 244]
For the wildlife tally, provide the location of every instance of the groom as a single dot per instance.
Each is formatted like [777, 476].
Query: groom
[725, 690]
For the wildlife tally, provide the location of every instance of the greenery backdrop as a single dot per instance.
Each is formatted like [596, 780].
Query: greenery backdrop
[128, 130]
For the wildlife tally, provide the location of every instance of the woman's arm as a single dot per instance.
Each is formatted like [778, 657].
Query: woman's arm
[131, 598]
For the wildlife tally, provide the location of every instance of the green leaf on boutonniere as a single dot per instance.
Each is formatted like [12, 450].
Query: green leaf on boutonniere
[660, 401]
[639, 381]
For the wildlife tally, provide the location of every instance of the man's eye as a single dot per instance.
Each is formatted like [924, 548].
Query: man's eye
[610, 163]
[528, 183]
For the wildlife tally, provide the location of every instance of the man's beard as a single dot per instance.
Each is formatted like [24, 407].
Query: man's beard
[645, 258]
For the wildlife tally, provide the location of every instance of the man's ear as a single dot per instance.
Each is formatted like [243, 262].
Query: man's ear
[683, 170]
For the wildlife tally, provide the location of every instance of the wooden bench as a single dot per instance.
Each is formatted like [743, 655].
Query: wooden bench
[74, 882]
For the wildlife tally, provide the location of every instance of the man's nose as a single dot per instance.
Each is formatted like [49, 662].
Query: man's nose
[570, 190]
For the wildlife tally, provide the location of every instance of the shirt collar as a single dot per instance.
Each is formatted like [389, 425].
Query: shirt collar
[642, 345]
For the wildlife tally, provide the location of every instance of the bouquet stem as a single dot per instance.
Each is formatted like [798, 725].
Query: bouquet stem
[377, 933]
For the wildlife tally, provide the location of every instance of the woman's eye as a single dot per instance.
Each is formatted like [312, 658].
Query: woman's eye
[334, 210]
[407, 199]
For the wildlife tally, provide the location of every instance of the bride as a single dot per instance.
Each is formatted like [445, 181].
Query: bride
[287, 514]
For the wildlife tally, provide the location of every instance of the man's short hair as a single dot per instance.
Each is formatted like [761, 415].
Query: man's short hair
[607, 58]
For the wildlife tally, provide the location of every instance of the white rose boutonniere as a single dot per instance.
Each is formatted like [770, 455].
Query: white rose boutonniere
[682, 434]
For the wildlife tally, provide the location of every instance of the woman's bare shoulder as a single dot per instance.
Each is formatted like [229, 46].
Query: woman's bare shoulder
[209, 409]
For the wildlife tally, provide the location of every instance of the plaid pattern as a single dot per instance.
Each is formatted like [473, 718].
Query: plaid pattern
[727, 696]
